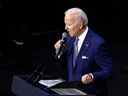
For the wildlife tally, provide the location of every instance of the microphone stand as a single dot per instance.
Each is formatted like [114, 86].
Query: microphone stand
[36, 75]
[39, 75]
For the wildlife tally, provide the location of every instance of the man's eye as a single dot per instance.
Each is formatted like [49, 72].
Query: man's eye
[69, 25]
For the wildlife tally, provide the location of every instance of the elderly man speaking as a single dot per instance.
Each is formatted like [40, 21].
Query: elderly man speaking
[87, 55]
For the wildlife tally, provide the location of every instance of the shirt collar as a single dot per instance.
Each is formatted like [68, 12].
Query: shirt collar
[83, 35]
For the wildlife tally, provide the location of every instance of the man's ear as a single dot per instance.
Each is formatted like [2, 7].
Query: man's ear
[81, 26]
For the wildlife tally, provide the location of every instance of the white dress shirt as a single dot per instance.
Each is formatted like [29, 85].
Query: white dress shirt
[81, 39]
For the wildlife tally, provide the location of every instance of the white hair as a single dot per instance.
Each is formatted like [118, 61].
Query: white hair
[78, 12]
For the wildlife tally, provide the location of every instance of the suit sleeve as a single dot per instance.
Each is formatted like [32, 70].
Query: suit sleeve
[104, 61]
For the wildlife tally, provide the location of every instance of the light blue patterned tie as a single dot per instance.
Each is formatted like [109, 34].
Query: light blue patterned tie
[75, 54]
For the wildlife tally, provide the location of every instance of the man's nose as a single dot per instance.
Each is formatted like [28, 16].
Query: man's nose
[66, 28]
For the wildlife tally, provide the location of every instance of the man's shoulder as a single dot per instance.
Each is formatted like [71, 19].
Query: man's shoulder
[95, 37]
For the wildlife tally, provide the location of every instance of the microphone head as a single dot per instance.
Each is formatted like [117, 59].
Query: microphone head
[64, 35]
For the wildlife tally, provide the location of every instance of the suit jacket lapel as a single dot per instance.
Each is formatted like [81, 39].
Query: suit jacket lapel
[84, 47]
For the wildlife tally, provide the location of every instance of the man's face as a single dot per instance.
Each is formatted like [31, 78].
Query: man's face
[72, 24]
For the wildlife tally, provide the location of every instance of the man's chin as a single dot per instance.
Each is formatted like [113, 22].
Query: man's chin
[71, 35]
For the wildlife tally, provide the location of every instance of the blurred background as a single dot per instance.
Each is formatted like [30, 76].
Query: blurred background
[29, 30]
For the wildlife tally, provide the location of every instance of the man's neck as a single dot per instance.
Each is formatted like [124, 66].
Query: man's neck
[81, 31]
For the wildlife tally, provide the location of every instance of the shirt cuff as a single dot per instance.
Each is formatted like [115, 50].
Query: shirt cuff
[91, 75]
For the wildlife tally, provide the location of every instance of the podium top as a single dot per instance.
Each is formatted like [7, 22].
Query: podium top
[21, 87]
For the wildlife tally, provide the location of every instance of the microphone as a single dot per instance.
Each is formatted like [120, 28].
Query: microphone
[59, 51]
[64, 35]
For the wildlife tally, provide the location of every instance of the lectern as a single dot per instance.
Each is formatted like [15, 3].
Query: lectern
[22, 87]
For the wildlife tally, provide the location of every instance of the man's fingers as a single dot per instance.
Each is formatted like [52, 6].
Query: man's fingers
[86, 79]
[57, 44]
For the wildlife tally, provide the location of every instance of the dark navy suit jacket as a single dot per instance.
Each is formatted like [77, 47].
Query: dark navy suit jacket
[93, 58]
